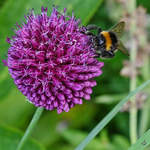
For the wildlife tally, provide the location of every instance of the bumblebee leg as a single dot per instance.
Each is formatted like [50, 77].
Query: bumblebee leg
[89, 33]
[97, 55]
[111, 54]
[94, 27]
[91, 27]
[98, 52]
[108, 54]
[99, 30]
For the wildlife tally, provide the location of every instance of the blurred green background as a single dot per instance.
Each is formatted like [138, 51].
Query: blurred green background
[64, 131]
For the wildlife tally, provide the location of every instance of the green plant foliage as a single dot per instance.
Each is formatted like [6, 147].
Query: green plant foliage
[77, 6]
[100, 143]
[144, 4]
[109, 117]
[142, 142]
[50, 123]
[67, 130]
[109, 99]
[18, 109]
[9, 139]
[15, 110]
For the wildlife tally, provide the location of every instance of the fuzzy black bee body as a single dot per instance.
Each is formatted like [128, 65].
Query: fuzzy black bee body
[106, 43]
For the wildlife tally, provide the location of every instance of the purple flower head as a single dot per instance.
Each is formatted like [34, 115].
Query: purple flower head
[52, 62]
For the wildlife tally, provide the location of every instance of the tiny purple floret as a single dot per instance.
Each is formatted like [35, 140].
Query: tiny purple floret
[52, 62]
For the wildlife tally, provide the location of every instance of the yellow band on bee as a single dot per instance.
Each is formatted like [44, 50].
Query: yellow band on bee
[108, 39]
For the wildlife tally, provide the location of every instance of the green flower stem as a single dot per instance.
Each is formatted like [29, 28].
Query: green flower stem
[144, 120]
[30, 127]
[132, 6]
[109, 117]
[142, 142]
[145, 110]
[133, 110]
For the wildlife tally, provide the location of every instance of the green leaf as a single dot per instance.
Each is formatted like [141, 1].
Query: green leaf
[101, 143]
[15, 101]
[109, 117]
[144, 4]
[84, 11]
[2, 2]
[10, 137]
[142, 142]
[96, 144]
[120, 142]
[109, 99]
[50, 123]
[63, 147]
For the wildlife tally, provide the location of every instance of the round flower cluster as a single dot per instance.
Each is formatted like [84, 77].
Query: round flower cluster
[52, 62]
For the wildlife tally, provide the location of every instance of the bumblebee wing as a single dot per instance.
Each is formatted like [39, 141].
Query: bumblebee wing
[118, 28]
[122, 48]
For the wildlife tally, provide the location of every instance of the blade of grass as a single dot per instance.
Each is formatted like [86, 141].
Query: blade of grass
[109, 99]
[142, 142]
[109, 117]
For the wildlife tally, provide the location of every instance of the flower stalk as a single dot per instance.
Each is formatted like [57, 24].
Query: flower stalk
[133, 110]
[145, 110]
[30, 127]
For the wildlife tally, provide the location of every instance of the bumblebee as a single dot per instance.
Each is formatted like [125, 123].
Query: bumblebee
[106, 43]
